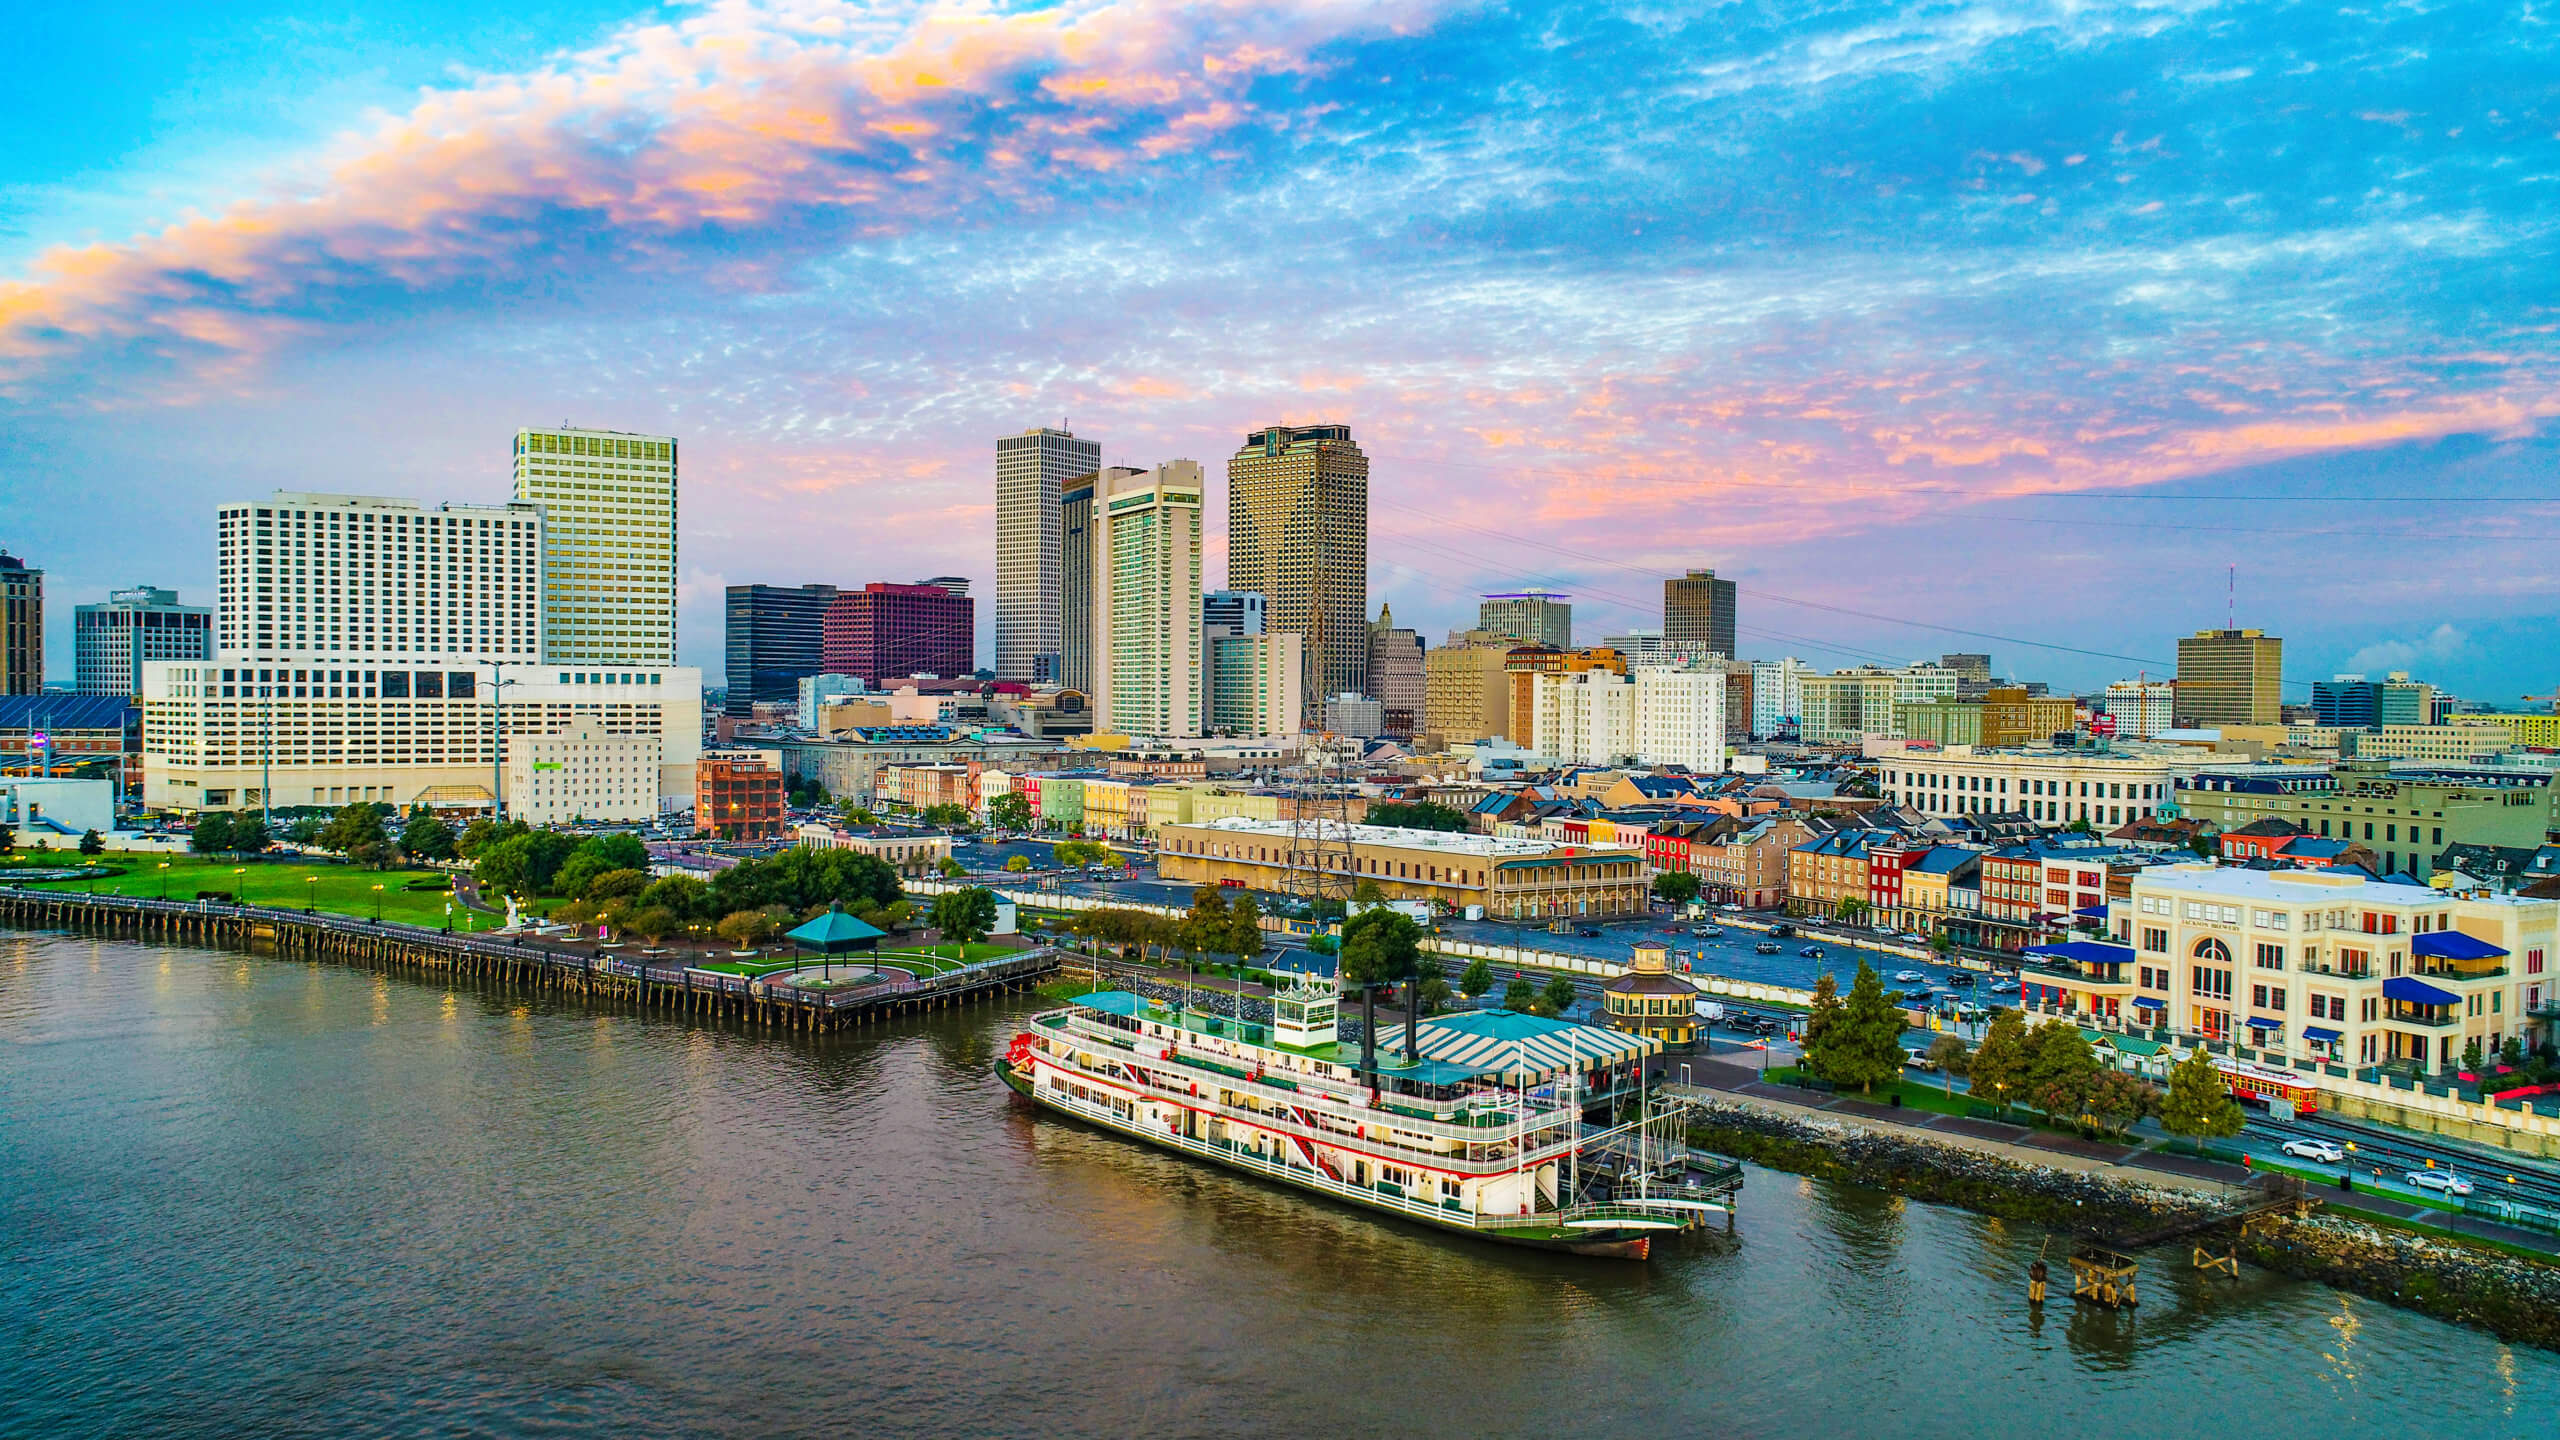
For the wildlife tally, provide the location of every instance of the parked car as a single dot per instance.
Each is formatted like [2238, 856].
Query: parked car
[1918, 1060]
[2441, 1180]
[1766, 947]
[2320, 1150]
[1908, 977]
[1914, 936]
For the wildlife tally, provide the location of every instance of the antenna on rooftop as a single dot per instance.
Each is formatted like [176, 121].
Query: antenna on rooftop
[2231, 597]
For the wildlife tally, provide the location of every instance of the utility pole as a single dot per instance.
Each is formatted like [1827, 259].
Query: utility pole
[497, 754]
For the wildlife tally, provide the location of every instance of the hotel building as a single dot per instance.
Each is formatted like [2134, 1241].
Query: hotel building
[1146, 601]
[1525, 879]
[609, 543]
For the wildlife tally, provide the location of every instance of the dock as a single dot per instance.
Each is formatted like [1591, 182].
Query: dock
[509, 961]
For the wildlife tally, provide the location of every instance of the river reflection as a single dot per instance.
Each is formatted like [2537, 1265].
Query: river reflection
[245, 1197]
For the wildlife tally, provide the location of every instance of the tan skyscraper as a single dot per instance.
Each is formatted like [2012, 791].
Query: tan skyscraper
[1298, 534]
[608, 543]
[1697, 614]
[2230, 677]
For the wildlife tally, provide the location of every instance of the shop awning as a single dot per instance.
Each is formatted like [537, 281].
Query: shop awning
[2091, 912]
[2326, 1037]
[2453, 945]
[2085, 952]
[2410, 990]
[2261, 1022]
[2146, 1002]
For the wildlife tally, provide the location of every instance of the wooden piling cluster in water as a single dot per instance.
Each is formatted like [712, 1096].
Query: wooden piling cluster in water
[510, 961]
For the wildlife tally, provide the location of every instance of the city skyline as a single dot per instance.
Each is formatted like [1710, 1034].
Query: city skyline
[2168, 255]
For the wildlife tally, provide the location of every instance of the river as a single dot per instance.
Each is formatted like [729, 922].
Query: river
[246, 1197]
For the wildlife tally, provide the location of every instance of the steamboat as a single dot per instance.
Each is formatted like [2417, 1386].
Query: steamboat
[1494, 1124]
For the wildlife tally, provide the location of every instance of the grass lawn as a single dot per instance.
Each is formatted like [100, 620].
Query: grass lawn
[957, 954]
[1916, 1095]
[339, 889]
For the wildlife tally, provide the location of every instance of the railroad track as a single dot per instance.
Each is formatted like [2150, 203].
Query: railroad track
[2397, 1154]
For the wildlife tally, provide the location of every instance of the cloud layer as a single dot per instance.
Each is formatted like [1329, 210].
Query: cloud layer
[1856, 300]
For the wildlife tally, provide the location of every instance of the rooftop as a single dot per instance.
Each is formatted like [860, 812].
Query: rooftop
[2298, 887]
[1444, 842]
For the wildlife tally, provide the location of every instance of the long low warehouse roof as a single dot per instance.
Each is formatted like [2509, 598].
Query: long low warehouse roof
[1445, 842]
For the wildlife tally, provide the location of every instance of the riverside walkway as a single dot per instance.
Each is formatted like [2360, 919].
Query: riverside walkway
[590, 972]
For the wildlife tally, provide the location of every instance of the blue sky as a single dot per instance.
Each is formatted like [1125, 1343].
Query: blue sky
[1927, 323]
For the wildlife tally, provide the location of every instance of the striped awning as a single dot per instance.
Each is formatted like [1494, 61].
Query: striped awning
[1513, 1045]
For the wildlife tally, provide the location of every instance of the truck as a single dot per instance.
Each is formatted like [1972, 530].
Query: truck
[1418, 911]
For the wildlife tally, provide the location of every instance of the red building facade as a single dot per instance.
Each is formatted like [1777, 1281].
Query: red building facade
[888, 632]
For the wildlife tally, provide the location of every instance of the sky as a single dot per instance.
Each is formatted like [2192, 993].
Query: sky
[2055, 331]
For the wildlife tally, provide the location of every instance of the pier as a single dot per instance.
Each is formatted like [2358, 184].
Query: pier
[515, 961]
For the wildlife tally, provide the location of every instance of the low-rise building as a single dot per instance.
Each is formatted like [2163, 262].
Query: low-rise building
[909, 852]
[1828, 870]
[2406, 817]
[2310, 965]
[2455, 743]
[737, 795]
[2052, 786]
[922, 787]
[1521, 879]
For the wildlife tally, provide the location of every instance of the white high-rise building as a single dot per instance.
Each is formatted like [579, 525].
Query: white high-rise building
[1146, 601]
[1254, 684]
[1680, 717]
[357, 577]
[1655, 716]
[376, 650]
[2142, 708]
[609, 543]
[1777, 694]
[1031, 469]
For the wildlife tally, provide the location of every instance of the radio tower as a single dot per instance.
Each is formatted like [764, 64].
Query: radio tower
[1320, 830]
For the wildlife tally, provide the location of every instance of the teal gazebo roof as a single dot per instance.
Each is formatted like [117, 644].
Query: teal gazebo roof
[836, 931]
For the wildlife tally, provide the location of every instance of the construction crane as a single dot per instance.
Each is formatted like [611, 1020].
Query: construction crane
[2551, 700]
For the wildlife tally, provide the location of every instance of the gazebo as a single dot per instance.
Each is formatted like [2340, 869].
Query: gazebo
[833, 934]
[1649, 1000]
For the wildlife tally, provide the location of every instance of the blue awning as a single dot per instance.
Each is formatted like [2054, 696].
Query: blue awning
[2454, 945]
[2086, 952]
[2092, 912]
[2146, 1002]
[2261, 1022]
[2314, 1032]
[2409, 989]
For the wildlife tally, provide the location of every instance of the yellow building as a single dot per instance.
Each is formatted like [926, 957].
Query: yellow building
[2011, 716]
[1466, 696]
[1526, 879]
[2431, 742]
[2229, 677]
[2538, 732]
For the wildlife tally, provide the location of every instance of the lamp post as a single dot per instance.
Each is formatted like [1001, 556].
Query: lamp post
[164, 879]
[498, 684]
[239, 887]
[309, 894]
[377, 904]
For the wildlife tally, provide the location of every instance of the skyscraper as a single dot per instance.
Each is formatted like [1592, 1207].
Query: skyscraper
[609, 543]
[776, 636]
[1253, 684]
[356, 577]
[1225, 614]
[1075, 579]
[2230, 677]
[21, 627]
[1535, 617]
[109, 642]
[1395, 673]
[1697, 614]
[889, 632]
[1032, 469]
[1298, 533]
[1146, 601]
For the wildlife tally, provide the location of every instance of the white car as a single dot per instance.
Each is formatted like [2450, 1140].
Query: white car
[2320, 1150]
[2444, 1180]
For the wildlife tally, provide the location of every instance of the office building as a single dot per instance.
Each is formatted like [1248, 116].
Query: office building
[1969, 665]
[1641, 647]
[1224, 613]
[817, 692]
[1298, 535]
[1466, 692]
[2355, 703]
[1032, 471]
[1533, 617]
[1356, 717]
[889, 632]
[1777, 695]
[21, 627]
[335, 579]
[1697, 614]
[738, 795]
[608, 543]
[1395, 674]
[1075, 581]
[582, 773]
[2052, 787]
[2142, 708]
[1846, 706]
[110, 642]
[2406, 818]
[2230, 677]
[776, 637]
[2308, 965]
[1146, 601]
[1253, 684]
[1654, 716]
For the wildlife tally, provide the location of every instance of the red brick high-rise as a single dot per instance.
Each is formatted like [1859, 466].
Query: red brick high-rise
[888, 632]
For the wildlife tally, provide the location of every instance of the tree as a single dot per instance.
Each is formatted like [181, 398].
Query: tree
[1851, 909]
[1016, 864]
[92, 843]
[1368, 893]
[305, 829]
[1675, 887]
[1009, 811]
[1821, 1022]
[2061, 1067]
[2471, 1056]
[952, 869]
[1418, 815]
[651, 923]
[1862, 1046]
[681, 894]
[1950, 1054]
[212, 834]
[8, 838]
[2116, 1101]
[2199, 1104]
[859, 816]
[1520, 995]
[427, 836]
[1559, 995]
[1385, 947]
[1477, 979]
[1244, 929]
[965, 915]
[249, 834]
[1999, 1063]
[949, 816]
[484, 832]
[618, 852]
[2511, 1055]
[745, 928]
[622, 885]
[1204, 925]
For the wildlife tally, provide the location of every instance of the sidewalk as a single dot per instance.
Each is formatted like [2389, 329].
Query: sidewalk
[1715, 1079]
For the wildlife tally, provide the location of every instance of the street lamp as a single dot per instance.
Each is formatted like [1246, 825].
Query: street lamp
[309, 895]
[377, 904]
[239, 887]
[164, 879]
